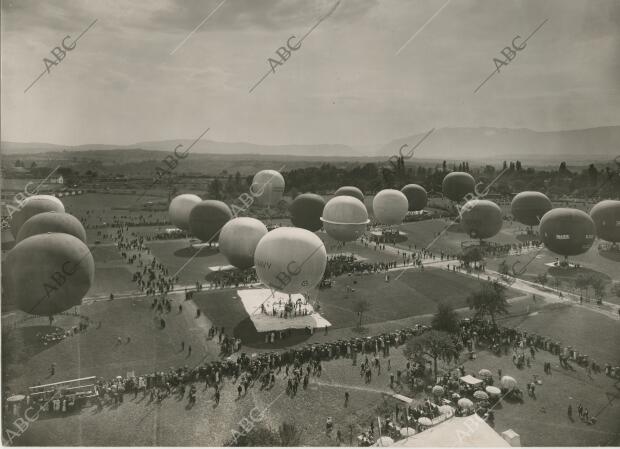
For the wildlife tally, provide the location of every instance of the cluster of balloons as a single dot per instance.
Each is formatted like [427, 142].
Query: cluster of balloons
[567, 231]
[50, 268]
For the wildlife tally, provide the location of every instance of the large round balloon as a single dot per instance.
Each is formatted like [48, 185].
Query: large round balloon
[416, 196]
[458, 184]
[33, 205]
[350, 191]
[290, 260]
[207, 218]
[390, 206]
[566, 231]
[345, 218]
[49, 273]
[52, 222]
[267, 187]
[529, 207]
[481, 219]
[606, 216]
[180, 208]
[238, 240]
[306, 211]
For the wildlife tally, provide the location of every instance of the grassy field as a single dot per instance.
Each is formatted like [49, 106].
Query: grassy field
[414, 293]
[95, 351]
[396, 304]
[541, 421]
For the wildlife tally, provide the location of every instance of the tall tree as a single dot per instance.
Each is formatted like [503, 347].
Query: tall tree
[489, 300]
[434, 344]
[215, 188]
[360, 307]
[593, 174]
[445, 319]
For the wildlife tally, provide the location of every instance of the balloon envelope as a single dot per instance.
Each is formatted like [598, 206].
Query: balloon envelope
[33, 205]
[416, 196]
[306, 211]
[238, 240]
[207, 218]
[390, 206]
[290, 260]
[52, 222]
[566, 231]
[529, 207]
[458, 184]
[49, 273]
[606, 217]
[267, 187]
[345, 218]
[180, 208]
[350, 191]
[481, 219]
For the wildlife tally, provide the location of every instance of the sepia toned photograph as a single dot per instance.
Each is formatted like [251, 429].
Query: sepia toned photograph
[386, 223]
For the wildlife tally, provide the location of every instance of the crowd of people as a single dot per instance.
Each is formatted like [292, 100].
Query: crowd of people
[232, 278]
[151, 276]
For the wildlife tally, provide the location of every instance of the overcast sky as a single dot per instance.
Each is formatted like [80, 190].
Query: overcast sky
[346, 84]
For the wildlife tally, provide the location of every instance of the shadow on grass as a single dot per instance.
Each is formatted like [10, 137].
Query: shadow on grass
[23, 343]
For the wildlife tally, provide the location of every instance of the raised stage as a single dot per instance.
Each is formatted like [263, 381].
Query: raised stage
[266, 322]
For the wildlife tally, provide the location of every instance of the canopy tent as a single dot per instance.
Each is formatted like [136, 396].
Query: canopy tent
[400, 397]
[471, 380]
[456, 432]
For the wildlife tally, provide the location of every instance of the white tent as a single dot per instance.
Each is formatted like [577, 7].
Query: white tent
[470, 431]
[471, 380]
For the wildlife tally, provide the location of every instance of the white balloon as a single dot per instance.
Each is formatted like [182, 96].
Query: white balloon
[290, 260]
[345, 218]
[239, 238]
[267, 187]
[180, 208]
[390, 206]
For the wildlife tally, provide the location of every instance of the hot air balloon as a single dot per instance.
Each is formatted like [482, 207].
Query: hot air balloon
[345, 218]
[52, 222]
[606, 217]
[180, 208]
[566, 231]
[49, 273]
[267, 187]
[457, 185]
[529, 207]
[481, 219]
[290, 260]
[416, 196]
[34, 205]
[238, 240]
[207, 219]
[350, 191]
[390, 206]
[306, 211]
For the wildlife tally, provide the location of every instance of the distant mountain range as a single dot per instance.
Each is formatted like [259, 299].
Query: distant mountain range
[492, 144]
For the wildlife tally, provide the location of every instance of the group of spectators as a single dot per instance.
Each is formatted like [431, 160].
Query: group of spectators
[232, 278]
